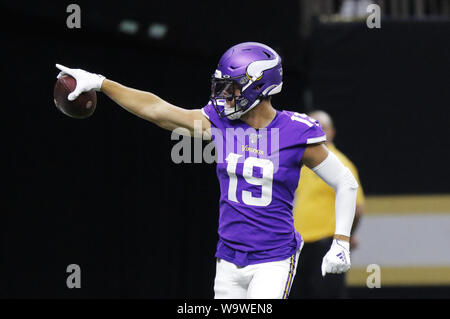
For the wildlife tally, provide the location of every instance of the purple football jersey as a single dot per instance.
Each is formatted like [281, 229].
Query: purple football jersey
[258, 172]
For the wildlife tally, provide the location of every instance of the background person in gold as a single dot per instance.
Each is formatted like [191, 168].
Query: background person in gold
[314, 219]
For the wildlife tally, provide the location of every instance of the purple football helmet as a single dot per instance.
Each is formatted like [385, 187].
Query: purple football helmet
[252, 67]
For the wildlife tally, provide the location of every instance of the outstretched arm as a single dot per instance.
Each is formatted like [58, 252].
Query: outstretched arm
[143, 104]
[152, 108]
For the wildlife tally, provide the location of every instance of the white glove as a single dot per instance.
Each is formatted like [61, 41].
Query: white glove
[85, 81]
[337, 259]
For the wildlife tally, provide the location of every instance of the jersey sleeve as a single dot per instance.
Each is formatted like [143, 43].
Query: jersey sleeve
[210, 113]
[303, 129]
[310, 130]
[313, 135]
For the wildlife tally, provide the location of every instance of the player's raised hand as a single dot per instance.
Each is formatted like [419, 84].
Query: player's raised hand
[337, 259]
[85, 81]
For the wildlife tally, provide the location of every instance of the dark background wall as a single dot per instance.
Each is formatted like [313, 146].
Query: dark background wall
[388, 92]
[103, 192]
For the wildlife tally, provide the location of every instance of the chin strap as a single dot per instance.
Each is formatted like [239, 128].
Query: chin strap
[237, 114]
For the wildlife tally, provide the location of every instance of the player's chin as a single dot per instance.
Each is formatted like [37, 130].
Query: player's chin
[229, 104]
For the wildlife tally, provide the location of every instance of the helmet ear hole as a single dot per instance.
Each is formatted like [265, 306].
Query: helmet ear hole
[259, 86]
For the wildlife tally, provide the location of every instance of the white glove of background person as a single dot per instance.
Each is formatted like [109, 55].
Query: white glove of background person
[85, 81]
[337, 259]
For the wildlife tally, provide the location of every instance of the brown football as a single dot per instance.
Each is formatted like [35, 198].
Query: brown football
[80, 108]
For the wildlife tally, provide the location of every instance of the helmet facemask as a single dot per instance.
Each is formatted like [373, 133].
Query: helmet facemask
[223, 91]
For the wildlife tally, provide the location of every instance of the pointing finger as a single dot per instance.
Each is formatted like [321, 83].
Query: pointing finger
[63, 68]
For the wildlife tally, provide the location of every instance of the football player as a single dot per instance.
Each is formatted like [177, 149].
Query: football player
[258, 170]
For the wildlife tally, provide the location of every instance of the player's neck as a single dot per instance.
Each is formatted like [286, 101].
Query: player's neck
[261, 116]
